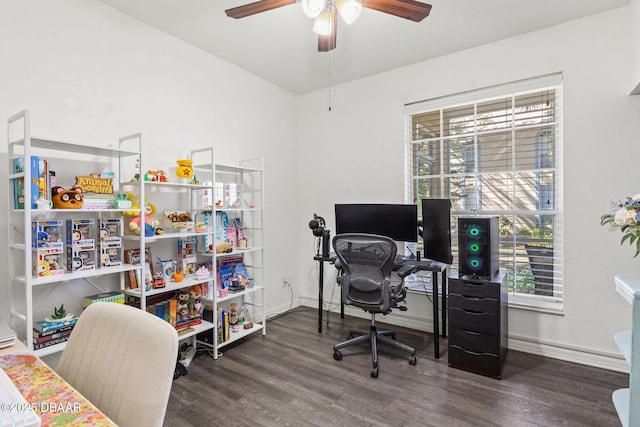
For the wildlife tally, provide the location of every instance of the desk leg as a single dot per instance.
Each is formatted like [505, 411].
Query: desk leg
[444, 303]
[321, 293]
[436, 327]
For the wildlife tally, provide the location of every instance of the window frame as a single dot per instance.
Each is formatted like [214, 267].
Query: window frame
[553, 82]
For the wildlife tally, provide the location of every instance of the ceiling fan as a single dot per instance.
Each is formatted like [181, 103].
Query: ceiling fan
[325, 13]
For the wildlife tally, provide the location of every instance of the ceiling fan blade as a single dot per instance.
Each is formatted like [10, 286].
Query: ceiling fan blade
[408, 9]
[256, 7]
[327, 43]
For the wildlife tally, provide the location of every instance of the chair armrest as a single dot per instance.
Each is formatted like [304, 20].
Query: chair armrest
[406, 270]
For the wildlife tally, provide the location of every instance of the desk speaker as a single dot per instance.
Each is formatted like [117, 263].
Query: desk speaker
[478, 246]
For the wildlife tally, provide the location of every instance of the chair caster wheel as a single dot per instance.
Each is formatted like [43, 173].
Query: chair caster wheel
[412, 359]
[337, 355]
[350, 336]
[374, 372]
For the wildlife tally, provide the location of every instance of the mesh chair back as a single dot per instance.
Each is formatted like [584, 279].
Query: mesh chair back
[367, 262]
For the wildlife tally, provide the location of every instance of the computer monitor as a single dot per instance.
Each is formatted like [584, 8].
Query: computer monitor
[399, 222]
[436, 230]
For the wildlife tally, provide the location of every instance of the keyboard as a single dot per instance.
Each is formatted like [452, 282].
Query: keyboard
[14, 410]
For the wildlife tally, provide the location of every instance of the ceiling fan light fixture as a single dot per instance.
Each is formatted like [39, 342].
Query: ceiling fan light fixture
[313, 8]
[323, 25]
[349, 9]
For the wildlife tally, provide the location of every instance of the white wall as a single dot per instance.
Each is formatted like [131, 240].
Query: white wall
[634, 14]
[89, 73]
[354, 153]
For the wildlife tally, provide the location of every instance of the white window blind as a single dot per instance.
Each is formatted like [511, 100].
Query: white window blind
[498, 151]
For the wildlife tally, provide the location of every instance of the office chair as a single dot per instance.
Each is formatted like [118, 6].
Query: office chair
[122, 360]
[366, 262]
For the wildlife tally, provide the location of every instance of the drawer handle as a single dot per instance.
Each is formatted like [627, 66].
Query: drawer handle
[473, 352]
[472, 298]
[472, 333]
[472, 312]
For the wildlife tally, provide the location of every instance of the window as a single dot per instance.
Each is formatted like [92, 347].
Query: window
[497, 151]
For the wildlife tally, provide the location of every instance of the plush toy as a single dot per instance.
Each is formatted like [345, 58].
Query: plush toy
[185, 169]
[195, 306]
[67, 199]
[136, 224]
[224, 248]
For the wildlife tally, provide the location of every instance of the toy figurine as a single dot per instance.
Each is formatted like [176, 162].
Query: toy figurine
[43, 268]
[67, 199]
[183, 298]
[149, 225]
[194, 304]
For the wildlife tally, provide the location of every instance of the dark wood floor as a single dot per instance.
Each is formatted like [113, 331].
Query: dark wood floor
[289, 378]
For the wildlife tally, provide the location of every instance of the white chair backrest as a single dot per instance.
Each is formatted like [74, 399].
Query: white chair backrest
[122, 359]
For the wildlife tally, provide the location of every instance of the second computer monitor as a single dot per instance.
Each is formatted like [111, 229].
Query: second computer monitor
[399, 222]
[436, 230]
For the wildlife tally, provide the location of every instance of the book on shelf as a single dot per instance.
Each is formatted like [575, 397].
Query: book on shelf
[115, 297]
[41, 339]
[37, 181]
[44, 326]
[38, 334]
[132, 256]
[160, 310]
[38, 346]
[185, 331]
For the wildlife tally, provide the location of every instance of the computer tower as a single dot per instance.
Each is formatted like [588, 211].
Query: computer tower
[478, 246]
[436, 230]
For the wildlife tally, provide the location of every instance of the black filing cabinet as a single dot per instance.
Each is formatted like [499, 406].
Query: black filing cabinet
[478, 324]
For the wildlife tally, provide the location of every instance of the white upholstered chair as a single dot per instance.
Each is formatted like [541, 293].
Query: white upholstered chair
[122, 359]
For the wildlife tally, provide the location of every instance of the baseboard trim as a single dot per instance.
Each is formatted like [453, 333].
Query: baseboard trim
[575, 354]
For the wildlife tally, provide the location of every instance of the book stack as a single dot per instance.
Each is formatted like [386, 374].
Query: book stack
[46, 333]
[169, 310]
[115, 297]
[223, 325]
[41, 181]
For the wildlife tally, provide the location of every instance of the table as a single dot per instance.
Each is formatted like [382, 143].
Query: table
[55, 400]
[436, 269]
[321, 260]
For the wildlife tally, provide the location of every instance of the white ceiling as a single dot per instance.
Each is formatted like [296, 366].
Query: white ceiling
[279, 45]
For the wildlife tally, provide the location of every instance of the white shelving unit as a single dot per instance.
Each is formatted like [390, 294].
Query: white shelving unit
[627, 400]
[239, 193]
[27, 292]
[176, 195]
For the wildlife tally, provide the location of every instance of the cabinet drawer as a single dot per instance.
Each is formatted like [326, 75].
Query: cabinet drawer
[475, 342]
[473, 321]
[477, 304]
[475, 289]
[480, 363]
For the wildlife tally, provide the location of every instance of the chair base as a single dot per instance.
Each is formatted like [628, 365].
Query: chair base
[372, 337]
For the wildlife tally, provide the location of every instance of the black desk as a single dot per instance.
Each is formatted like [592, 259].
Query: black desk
[434, 267]
[321, 260]
[423, 265]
